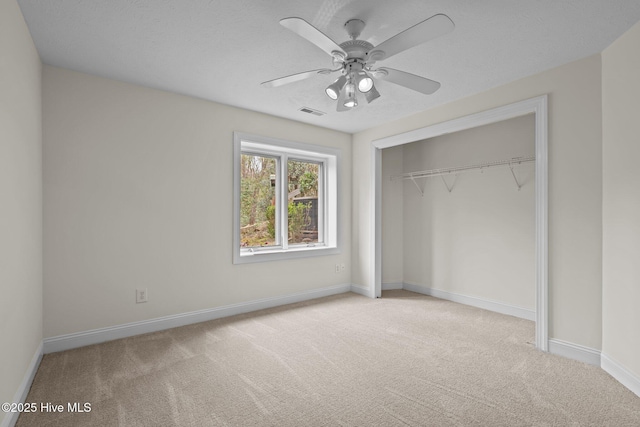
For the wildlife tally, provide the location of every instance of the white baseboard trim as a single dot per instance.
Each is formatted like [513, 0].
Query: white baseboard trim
[95, 336]
[498, 307]
[362, 290]
[574, 351]
[11, 418]
[559, 347]
[392, 286]
[621, 374]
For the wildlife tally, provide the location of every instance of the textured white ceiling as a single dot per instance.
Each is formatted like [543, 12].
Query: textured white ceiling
[221, 50]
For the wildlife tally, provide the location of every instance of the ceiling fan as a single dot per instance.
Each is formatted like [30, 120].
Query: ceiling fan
[355, 59]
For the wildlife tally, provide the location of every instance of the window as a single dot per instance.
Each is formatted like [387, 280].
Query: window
[285, 199]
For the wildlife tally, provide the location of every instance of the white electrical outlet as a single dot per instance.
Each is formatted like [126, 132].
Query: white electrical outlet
[337, 268]
[142, 295]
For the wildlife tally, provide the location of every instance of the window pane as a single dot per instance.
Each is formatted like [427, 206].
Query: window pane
[286, 200]
[303, 201]
[257, 201]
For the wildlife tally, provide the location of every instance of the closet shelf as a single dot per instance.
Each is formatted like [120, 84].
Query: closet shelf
[511, 163]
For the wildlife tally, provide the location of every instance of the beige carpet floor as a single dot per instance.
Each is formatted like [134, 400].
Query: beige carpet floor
[346, 360]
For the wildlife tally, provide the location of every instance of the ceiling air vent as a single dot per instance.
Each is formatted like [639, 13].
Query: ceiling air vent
[312, 111]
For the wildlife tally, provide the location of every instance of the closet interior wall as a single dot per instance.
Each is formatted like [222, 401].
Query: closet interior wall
[477, 240]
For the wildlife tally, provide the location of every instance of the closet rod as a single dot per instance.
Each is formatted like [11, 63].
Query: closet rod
[459, 169]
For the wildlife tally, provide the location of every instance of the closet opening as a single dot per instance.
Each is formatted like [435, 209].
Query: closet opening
[462, 209]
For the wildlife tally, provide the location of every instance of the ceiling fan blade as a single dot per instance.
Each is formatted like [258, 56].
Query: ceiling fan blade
[408, 80]
[426, 30]
[295, 77]
[315, 36]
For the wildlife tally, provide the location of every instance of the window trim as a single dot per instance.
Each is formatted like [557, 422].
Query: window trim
[328, 157]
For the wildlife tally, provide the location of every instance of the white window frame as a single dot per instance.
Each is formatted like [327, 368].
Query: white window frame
[328, 158]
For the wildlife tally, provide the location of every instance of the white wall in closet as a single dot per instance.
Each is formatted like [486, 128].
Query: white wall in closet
[478, 239]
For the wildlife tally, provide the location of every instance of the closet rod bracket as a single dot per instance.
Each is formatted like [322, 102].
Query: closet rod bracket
[417, 186]
[449, 187]
[515, 178]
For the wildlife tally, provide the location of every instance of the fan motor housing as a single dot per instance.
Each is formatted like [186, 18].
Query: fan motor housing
[356, 49]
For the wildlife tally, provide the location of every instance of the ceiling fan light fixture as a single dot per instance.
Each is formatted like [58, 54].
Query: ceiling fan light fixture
[372, 94]
[331, 93]
[351, 102]
[365, 83]
[350, 90]
[333, 90]
[350, 95]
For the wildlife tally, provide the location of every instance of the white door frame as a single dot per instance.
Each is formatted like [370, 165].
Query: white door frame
[537, 106]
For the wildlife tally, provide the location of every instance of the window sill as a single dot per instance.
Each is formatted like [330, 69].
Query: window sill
[263, 255]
